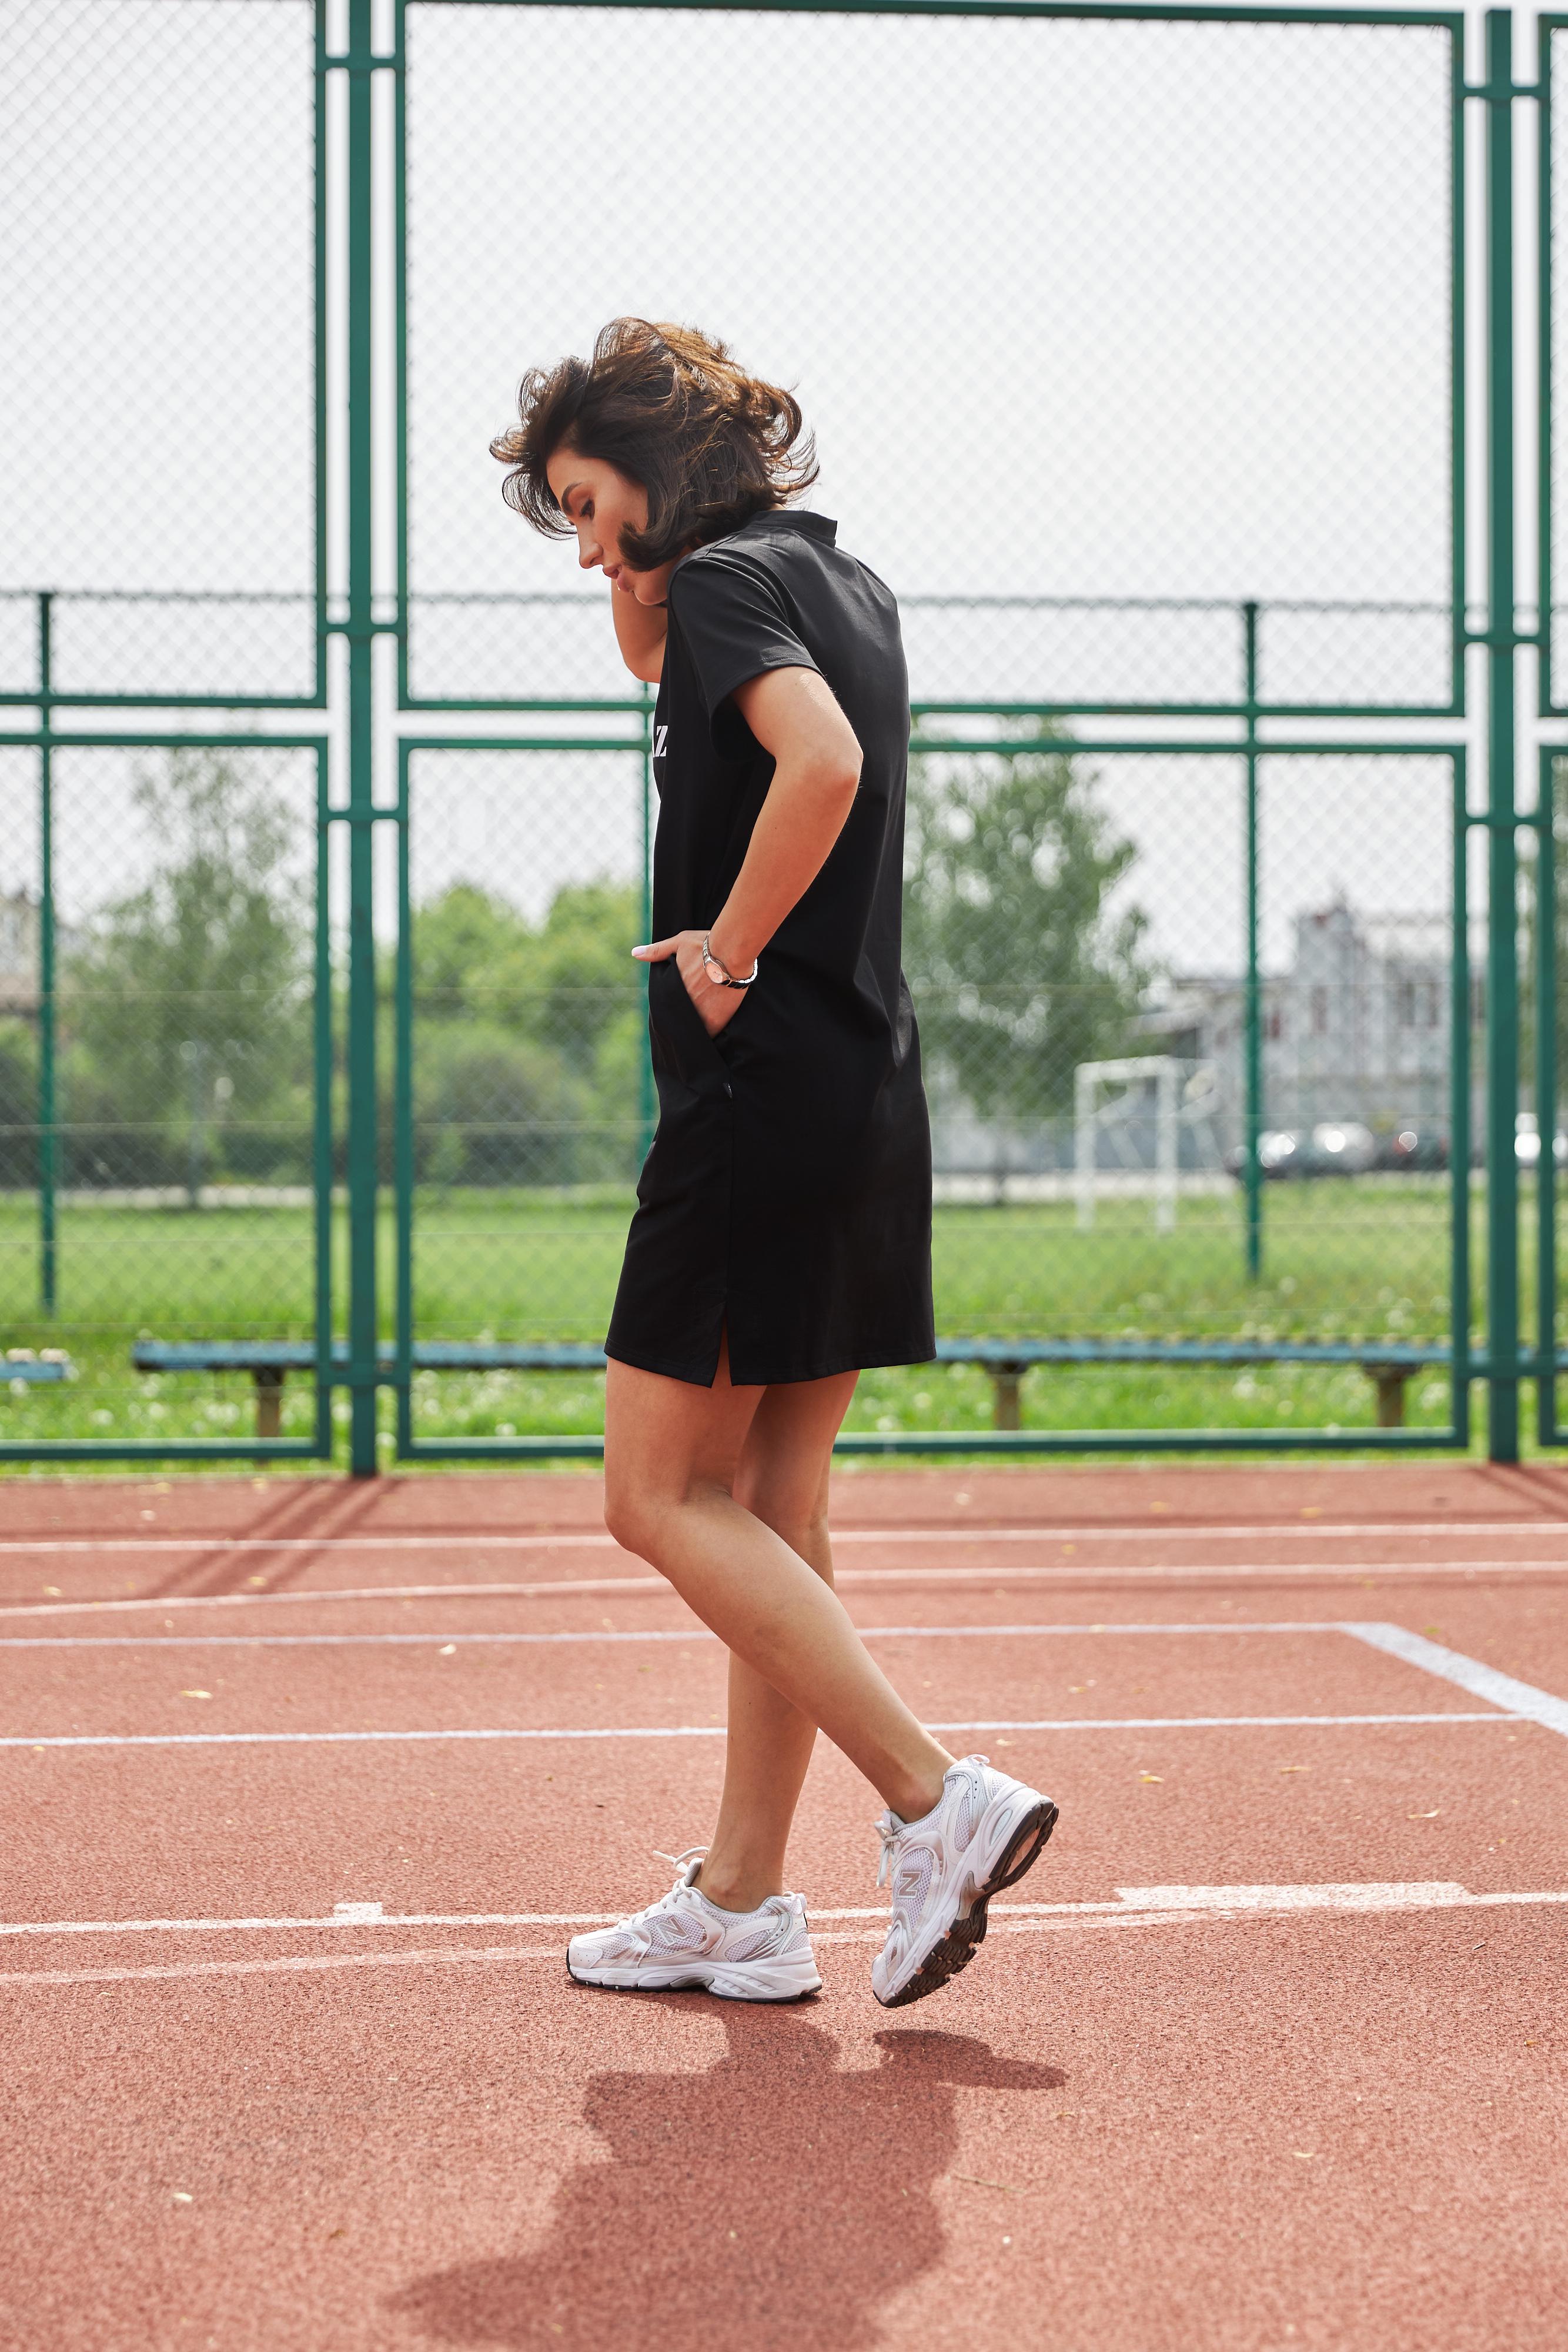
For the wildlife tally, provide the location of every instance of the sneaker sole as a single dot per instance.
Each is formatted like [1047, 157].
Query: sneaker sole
[956, 1949]
[726, 1984]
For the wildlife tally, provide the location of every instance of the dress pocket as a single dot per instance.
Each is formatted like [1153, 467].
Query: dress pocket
[677, 1023]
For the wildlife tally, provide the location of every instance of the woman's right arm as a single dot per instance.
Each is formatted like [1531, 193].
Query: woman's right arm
[640, 634]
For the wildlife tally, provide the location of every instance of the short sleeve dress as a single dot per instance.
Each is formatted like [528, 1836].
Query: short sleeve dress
[785, 1199]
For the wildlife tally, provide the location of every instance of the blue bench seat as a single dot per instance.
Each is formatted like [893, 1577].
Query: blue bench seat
[1387, 1363]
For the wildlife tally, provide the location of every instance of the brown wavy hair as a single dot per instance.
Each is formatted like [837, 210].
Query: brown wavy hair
[669, 407]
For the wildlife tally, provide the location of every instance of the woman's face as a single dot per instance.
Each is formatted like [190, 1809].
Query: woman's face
[600, 502]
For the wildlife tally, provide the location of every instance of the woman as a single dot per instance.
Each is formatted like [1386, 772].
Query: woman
[782, 1239]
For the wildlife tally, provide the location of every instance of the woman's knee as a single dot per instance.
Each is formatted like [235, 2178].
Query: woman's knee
[628, 1513]
[644, 1514]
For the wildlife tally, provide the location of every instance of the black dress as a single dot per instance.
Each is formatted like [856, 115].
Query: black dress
[787, 1195]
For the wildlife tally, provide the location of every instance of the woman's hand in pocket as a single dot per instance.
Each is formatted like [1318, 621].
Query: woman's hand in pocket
[716, 1006]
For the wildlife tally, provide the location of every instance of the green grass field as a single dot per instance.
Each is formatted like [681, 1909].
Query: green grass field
[1359, 1260]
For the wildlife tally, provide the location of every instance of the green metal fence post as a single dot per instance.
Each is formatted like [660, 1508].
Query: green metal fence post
[1546, 1047]
[1502, 974]
[363, 1122]
[48, 1129]
[403, 1108]
[1546, 1102]
[321, 1026]
[1460, 1114]
[1254, 1168]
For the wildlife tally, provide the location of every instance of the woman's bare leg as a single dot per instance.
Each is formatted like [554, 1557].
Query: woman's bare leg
[783, 1482]
[675, 1459]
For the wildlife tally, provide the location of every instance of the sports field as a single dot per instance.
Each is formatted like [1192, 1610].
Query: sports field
[308, 1784]
[1363, 1260]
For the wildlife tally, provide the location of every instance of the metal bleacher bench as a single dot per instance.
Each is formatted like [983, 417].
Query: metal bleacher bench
[1388, 1365]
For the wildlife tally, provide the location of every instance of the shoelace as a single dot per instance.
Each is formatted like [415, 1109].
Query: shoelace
[889, 1832]
[668, 1901]
[679, 1861]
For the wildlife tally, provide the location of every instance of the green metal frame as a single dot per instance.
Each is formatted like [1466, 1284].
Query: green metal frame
[1249, 710]
[1249, 707]
[45, 740]
[1548, 1362]
[1501, 818]
[1247, 754]
[410, 1448]
[1502, 1364]
[45, 693]
[47, 699]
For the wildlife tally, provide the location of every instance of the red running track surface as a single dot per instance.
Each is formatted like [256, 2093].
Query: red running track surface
[1163, 2109]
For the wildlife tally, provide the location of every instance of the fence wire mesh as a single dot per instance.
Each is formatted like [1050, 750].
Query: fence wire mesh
[157, 372]
[1165, 259]
[1085, 312]
[177, 1058]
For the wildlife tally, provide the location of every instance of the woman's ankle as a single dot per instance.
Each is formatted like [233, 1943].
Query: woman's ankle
[917, 1794]
[737, 1890]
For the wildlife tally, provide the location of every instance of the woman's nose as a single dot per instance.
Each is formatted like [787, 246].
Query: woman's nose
[589, 554]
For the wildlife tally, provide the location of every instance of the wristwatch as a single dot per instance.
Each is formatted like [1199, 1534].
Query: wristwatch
[720, 974]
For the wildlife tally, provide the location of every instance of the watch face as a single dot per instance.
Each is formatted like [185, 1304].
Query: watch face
[714, 971]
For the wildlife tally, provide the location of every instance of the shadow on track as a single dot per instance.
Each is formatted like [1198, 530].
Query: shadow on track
[775, 2199]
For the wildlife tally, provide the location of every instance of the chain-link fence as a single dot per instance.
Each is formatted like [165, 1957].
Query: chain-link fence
[1135, 349]
[163, 1125]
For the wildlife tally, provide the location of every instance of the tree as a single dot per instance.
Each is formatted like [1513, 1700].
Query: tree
[492, 1108]
[563, 982]
[187, 1011]
[1019, 972]
[528, 1037]
[18, 1104]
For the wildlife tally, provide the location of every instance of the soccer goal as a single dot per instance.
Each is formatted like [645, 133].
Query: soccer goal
[1113, 1098]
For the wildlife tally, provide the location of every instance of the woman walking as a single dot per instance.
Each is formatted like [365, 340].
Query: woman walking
[782, 1239]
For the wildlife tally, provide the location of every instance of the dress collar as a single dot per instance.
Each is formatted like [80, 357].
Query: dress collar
[820, 526]
[815, 526]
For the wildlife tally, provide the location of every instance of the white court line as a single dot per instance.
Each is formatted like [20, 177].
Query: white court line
[571, 1587]
[1518, 1701]
[1339, 1896]
[716, 1730]
[349, 1593]
[697, 1634]
[1176, 1907]
[1468, 1674]
[577, 1539]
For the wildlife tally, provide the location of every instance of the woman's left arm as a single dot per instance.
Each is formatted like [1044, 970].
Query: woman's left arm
[793, 714]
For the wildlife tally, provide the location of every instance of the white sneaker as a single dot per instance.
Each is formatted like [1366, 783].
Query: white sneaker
[684, 1939]
[982, 1835]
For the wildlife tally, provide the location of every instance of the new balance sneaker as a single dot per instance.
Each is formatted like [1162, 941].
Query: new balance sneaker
[981, 1835]
[684, 1939]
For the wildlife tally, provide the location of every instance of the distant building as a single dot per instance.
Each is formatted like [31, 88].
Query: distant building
[1357, 1028]
[19, 951]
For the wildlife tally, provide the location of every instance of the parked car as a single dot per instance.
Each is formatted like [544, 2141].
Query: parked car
[1277, 1152]
[1527, 1141]
[1340, 1146]
[1418, 1150]
[1335, 1147]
